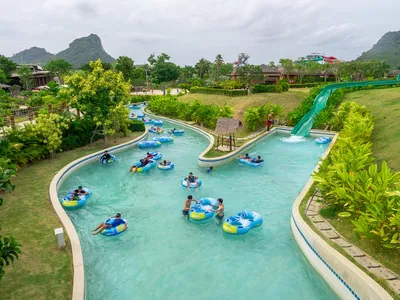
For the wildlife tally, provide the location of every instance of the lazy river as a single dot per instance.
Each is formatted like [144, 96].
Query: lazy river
[164, 256]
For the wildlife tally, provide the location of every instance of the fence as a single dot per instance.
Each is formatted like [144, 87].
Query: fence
[30, 113]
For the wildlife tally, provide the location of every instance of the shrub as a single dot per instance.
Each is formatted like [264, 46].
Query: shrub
[230, 85]
[78, 134]
[255, 117]
[284, 85]
[136, 125]
[304, 85]
[140, 98]
[230, 93]
[263, 88]
[350, 180]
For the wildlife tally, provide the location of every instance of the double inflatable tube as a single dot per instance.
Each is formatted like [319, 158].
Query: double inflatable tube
[149, 144]
[158, 123]
[192, 184]
[156, 155]
[251, 163]
[147, 167]
[167, 167]
[164, 139]
[155, 131]
[65, 202]
[242, 222]
[202, 211]
[110, 160]
[323, 140]
[114, 230]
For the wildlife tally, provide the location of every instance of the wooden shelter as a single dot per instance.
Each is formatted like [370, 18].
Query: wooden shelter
[226, 128]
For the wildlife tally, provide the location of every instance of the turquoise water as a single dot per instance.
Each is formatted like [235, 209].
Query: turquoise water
[164, 256]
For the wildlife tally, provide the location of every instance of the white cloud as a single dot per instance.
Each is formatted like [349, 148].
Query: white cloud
[266, 29]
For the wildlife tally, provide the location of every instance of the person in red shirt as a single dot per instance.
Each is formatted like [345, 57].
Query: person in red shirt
[149, 155]
[270, 121]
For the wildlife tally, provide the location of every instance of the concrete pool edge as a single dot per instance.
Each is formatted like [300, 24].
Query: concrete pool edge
[78, 281]
[346, 279]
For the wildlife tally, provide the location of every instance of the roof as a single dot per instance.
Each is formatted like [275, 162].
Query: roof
[269, 70]
[227, 125]
[4, 86]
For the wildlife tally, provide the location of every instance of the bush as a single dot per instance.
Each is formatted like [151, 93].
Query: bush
[136, 125]
[78, 134]
[351, 181]
[263, 88]
[255, 117]
[140, 98]
[284, 85]
[230, 93]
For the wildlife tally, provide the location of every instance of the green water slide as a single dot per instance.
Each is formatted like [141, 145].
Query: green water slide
[304, 126]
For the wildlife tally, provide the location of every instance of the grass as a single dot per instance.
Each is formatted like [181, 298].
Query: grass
[385, 106]
[290, 100]
[42, 271]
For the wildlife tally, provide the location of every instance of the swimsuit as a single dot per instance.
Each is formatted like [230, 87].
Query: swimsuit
[185, 212]
[219, 217]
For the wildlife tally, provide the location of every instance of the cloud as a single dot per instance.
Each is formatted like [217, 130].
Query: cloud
[266, 29]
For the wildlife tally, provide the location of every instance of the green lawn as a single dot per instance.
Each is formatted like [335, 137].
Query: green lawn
[385, 106]
[43, 271]
[290, 100]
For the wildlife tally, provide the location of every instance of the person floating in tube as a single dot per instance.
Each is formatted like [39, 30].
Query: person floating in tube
[192, 179]
[114, 223]
[105, 157]
[78, 192]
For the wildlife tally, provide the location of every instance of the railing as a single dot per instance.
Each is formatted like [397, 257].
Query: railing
[30, 113]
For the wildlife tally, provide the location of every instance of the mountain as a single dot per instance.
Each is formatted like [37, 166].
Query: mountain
[85, 49]
[79, 52]
[33, 55]
[387, 49]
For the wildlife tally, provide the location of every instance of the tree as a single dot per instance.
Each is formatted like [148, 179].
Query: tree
[25, 77]
[138, 77]
[186, 73]
[271, 64]
[59, 67]
[288, 66]
[327, 69]
[88, 68]
[7, 66]
[250, 73]
[99, 95]
[202, 67]
[301, 67]
[162, 70]
[3, 77]
[219, 61]
[125, 65]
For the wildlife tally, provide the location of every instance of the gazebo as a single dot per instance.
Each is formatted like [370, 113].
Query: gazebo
[226, 128]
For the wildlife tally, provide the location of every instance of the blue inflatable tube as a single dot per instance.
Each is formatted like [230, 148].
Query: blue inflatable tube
[149, 144]
[251, 163]
[114, 230]
[156, 155]
[158, 123]
[140, 116]
[164, 139]
[134, 106]
[149, 121]
[242, 222]
[202, 210]
[155, 131]
[323, 140]
[192, 184]
[145, 168]
[167, 167]
[77, 203]
[110, 160]
[177, 132]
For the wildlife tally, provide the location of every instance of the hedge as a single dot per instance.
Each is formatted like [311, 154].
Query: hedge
[230, 93]
[136, 125]
[304, 85]
[263, 88]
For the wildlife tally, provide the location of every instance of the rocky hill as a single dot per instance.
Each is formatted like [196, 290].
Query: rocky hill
[33, 55]
[387, 49]
[79, 52]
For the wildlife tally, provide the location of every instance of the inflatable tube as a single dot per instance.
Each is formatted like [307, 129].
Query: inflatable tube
[164, 139]
[149, 121]
[134, 106]
[242, 222]
[114, 230]
[158, 123]
[156, 155]
[147, 167]
[155, 131]
[167, 167]
[177, 132]
[149, 144]
[192, 184]
[110, 160]
[251, 163]
[140, 116]
[202, 210]
[323, 140]
[65, 202]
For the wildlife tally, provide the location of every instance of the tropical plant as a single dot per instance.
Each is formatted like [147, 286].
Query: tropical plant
[26, 77]
[125, 65]
[49, 129]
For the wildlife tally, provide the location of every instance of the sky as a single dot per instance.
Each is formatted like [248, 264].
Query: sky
[189, 30]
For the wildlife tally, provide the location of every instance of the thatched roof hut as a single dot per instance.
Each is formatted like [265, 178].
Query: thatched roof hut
[227, 126]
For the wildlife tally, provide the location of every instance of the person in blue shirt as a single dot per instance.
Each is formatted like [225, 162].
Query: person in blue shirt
[114, 222]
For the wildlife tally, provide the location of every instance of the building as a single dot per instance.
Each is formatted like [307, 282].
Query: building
[40, 76]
